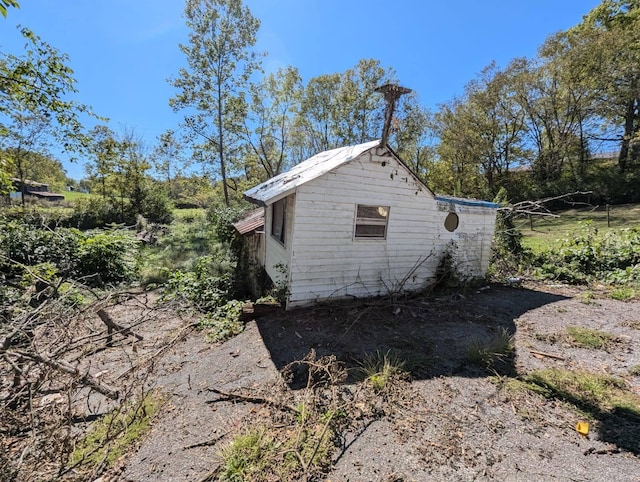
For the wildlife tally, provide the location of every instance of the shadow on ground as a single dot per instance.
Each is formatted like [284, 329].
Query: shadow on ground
[435, 336]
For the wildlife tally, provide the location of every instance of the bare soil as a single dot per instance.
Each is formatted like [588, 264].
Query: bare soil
[454, 420]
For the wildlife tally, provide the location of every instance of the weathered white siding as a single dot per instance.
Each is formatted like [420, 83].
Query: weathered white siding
[327, 262]
[277, 255]
[471, 242]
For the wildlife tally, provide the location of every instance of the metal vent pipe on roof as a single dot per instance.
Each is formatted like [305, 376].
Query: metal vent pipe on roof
[392, 93]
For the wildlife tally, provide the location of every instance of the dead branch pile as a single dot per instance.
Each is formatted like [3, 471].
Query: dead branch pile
[60, 356]
[313, 425]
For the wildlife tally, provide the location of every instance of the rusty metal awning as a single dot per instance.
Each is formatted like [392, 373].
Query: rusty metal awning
[253, 221]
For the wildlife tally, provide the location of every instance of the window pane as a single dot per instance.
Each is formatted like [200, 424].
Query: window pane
[372, 212]
[278, 220]
[371, 221]
[370, 230]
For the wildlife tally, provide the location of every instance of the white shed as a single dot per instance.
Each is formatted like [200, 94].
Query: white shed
[356, 222]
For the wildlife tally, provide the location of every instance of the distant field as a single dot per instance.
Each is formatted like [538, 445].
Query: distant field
[547, 232]
[73, 195]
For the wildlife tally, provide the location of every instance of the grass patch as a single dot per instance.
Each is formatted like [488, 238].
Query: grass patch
[380, 368]
[624, 293]
[189, 237]
[112, 436]
[547, 232]
[75, 195]
[191, 215]
[494, 351]
[605, 398]
[589, 338]
[287, 454]
[588, 298]
[635, 370]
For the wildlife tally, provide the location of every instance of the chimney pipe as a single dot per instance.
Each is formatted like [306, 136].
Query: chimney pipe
[392, 93]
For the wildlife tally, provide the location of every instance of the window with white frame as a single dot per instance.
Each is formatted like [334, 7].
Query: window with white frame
[371, 221]
[279, 219]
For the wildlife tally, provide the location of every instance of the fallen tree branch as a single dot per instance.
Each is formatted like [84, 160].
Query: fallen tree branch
[250, 399]
[548, 355]
[65, 367]
[113, 326]
[161, 350]
[211, 476]
[206, 443]
[538, 208]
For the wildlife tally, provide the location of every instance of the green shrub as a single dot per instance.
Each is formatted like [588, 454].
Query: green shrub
[97, 212]
[224, 322]
[499, 348]
[222, 219]
[157, 207]
[381, 368]
[208, 286]
[74, 254]
[110, 254]
[613, 258]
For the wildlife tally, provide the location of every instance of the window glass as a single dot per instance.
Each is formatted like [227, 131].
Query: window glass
[371, 221]
[278, 219]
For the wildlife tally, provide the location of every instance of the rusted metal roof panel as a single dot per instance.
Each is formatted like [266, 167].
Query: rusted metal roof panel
[251, 222]
[281, 185]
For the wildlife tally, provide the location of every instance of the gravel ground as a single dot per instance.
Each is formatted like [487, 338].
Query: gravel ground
[452, 421]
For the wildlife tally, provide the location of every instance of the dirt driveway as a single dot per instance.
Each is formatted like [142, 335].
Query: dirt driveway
[454, 420]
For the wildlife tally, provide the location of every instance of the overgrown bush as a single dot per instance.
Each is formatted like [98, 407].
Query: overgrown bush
[586, 256]
[157, 207]
[222, 219]
[96, 212]
[73, 253]
[110, 254]
[209, 285]
[224, 322]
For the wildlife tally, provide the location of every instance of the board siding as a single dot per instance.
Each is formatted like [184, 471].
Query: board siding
[328, 262]
[277, 256]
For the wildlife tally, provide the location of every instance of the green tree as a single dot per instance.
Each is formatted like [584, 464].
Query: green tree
[130, 179]
[4, 4]
[36, 109]
[212, 87]
[611, 35]
[105, 152]
[413, 136]
[274, 103]
[315, 126]
[457, 170]
[554, 116]
[360, 113]
[342, 109]
[25, 135]
[169, 161]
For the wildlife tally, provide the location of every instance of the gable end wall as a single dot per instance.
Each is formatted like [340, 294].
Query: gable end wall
[327, 262]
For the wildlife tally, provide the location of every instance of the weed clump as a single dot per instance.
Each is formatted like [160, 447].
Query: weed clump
[112, 436]
[381, 368]
[494, 351]
[592, 339]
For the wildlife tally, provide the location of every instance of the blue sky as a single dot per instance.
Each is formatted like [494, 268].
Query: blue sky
[123, 51]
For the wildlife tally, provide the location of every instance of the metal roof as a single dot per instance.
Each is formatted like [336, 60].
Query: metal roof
[467, 202]
[281, 185]
[252, 221]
